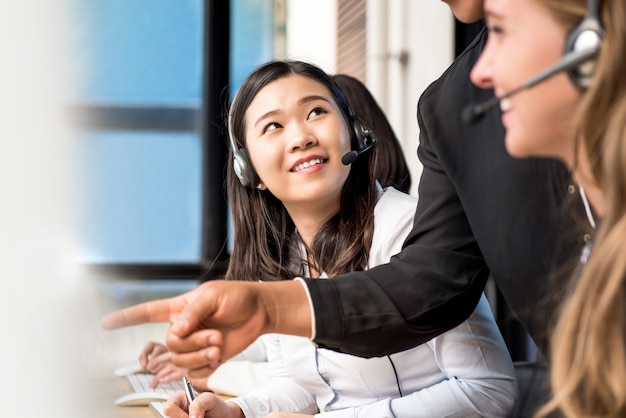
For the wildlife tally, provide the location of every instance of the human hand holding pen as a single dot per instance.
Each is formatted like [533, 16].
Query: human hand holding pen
[219, 319]
[205, 405]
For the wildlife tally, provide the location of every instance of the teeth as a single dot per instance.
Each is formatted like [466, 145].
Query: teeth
[505, 105]
[307, 164]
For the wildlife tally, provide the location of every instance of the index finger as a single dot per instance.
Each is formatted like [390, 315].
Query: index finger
[154, 311]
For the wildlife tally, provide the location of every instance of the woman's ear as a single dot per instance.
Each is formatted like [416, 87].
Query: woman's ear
[261, 186]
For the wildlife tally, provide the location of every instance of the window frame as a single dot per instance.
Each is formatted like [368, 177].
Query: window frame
[207, 120]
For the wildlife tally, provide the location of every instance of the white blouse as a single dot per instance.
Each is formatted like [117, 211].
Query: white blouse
[464, 372]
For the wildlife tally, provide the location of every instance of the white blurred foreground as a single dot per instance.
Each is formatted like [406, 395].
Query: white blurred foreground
[40, 295]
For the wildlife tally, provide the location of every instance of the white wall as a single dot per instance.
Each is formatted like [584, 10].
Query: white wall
[421, 32]
[312, 32]
[418, 45]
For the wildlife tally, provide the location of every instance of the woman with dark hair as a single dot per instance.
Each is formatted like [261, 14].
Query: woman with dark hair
[305, 203]
[390, 170]
[341, 238]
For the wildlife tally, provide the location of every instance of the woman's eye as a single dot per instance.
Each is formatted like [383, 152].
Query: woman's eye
[316, 112]
[271, 127]
[495, 30]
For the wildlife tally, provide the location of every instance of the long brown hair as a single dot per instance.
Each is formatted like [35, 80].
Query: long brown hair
[265, 238]
[588, 374]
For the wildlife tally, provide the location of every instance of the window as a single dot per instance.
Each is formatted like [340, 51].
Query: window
[154, 75]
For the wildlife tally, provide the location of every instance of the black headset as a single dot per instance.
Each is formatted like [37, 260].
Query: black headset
[365, 139]
[245, 171]
[587, 35]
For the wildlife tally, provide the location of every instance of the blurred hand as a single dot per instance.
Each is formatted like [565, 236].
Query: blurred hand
[154, 356]
[200, 318]
[237, 312]
[219, 319]
[157, 359]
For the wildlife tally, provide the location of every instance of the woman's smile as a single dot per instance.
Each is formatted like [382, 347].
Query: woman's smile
[309, 164]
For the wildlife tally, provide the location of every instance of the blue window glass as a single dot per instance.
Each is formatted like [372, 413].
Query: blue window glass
[141, 51]
[252, 37]
[142, 188]
[147, 203]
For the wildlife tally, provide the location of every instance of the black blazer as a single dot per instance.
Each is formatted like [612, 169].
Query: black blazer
[480, 211]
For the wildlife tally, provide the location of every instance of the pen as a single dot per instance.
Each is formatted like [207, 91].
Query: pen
[191, 394]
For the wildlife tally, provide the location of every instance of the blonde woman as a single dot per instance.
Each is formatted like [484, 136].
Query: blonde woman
[579, 117]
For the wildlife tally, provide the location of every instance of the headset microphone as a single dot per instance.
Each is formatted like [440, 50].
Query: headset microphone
[368, 141]
[475, 112]
[350, 157]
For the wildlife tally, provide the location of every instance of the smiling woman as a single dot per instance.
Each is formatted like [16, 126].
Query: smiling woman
[296, 149]
[296, 119]
[538, 121]
[578, 116]
[309, 211]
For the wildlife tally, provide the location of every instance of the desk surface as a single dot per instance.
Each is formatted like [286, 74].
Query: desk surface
[104, 388]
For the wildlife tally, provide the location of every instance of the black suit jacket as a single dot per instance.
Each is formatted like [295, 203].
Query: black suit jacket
[480, 211]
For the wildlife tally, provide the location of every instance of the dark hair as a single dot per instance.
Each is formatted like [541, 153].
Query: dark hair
[391, 168]
[265, 240]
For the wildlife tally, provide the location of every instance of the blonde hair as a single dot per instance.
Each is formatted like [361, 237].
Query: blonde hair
[588, 350]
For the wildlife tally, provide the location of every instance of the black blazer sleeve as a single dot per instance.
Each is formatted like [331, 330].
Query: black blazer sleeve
[479, 211]
[428, 288]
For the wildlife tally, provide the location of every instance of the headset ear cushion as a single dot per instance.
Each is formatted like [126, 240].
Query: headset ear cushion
[243, 169]
[586, 35]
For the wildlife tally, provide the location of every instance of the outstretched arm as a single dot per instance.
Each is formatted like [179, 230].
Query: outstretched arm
[219, 319]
